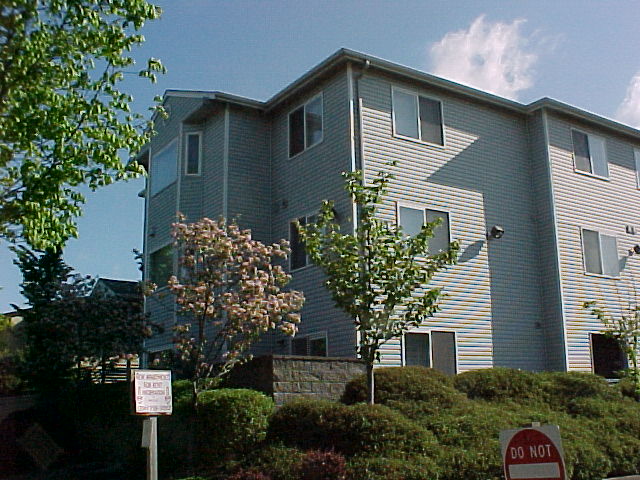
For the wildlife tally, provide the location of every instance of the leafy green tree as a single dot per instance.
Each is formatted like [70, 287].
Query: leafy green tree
[378, 275]
[625, 329]
[230, 285]
[10, 356]
[67, 330]
[63, 120]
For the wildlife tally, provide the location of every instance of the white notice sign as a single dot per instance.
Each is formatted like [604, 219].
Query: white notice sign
[152, 392]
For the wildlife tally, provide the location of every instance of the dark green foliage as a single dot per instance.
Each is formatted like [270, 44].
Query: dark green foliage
[69, 330]
[182, 392]
[350, 430]
[318, 465]
[100, 418]
[384, 468]
[277, 461]
[562, 387]
[248, 475]
[627, 388]
[417, 384]
[233, 420]
[499, 384]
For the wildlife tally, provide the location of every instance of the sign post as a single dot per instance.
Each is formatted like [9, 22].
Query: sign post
[151, 397]
[533, 453]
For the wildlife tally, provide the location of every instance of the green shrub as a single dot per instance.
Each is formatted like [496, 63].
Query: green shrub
[232, 420]
[182, 392]
[277, 461]
[100, 418]
[248, 475]
[500, 384]
[617, 426]
[626, 388]
[319, 465]
[385, 468]
[417, 384]
[561, 387]
[350, 430]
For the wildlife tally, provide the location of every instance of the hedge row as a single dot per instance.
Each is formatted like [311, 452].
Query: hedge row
[427, 425]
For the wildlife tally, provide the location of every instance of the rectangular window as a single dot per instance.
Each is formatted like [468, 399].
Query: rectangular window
[443, 352]
[607, 357]
[299, 257]
[434, 349]
[164, 167]
[600, 253]
[306, 126]
[161, 265]
[314, 345]
[193, 153]
[417, 117]
[589, 153]
[636, 154]
[416, 349]
[412, 219]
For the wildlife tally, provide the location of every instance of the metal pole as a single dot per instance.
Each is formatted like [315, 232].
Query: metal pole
[152, 449]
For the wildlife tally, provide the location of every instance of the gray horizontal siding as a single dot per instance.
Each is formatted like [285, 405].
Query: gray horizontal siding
[249, 184]
[551, 300]
[482, 178]
[607, 206]
[300, 184]
[162, 210]
[212, 173]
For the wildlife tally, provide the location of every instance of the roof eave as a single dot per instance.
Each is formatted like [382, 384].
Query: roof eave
[592, 118]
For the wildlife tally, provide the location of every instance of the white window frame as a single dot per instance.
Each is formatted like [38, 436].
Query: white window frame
[428, 332]
[606, 155]
[307, 263]
[584, 256]
[151, 157]
[417, 95]
[636, 156]
[304, 125]
[186, 154]
[417, 206]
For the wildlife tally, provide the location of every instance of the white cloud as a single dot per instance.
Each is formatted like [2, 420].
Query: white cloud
[629, 110]
[494, 57]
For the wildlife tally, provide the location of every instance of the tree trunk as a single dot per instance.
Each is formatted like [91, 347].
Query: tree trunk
[370, 384]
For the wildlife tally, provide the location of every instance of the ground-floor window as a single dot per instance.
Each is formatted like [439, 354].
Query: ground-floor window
[607, 356]
[434, 349]
[314, 345]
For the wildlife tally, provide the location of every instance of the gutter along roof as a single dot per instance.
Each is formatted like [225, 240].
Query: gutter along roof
[344, 55]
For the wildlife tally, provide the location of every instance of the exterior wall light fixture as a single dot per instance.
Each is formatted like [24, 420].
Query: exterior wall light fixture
[496, 232]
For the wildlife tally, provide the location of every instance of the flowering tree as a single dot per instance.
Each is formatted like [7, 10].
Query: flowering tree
[378, 275]
[231, 284]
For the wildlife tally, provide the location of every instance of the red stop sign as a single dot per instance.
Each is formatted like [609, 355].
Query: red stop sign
[532, 455]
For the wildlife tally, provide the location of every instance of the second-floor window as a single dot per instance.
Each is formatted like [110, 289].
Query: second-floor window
[161, 265]
[298, 257]
[600, 253]
[418, 117]
[164, 167]
[589, 154]
[193, 153]
[412, 219]
[305, 126]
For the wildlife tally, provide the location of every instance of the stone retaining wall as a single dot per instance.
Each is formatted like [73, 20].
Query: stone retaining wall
[287, 377]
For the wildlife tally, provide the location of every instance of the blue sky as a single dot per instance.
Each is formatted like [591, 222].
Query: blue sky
[585, 53]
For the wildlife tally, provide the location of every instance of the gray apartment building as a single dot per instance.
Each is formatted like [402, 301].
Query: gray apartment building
[544, 199]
